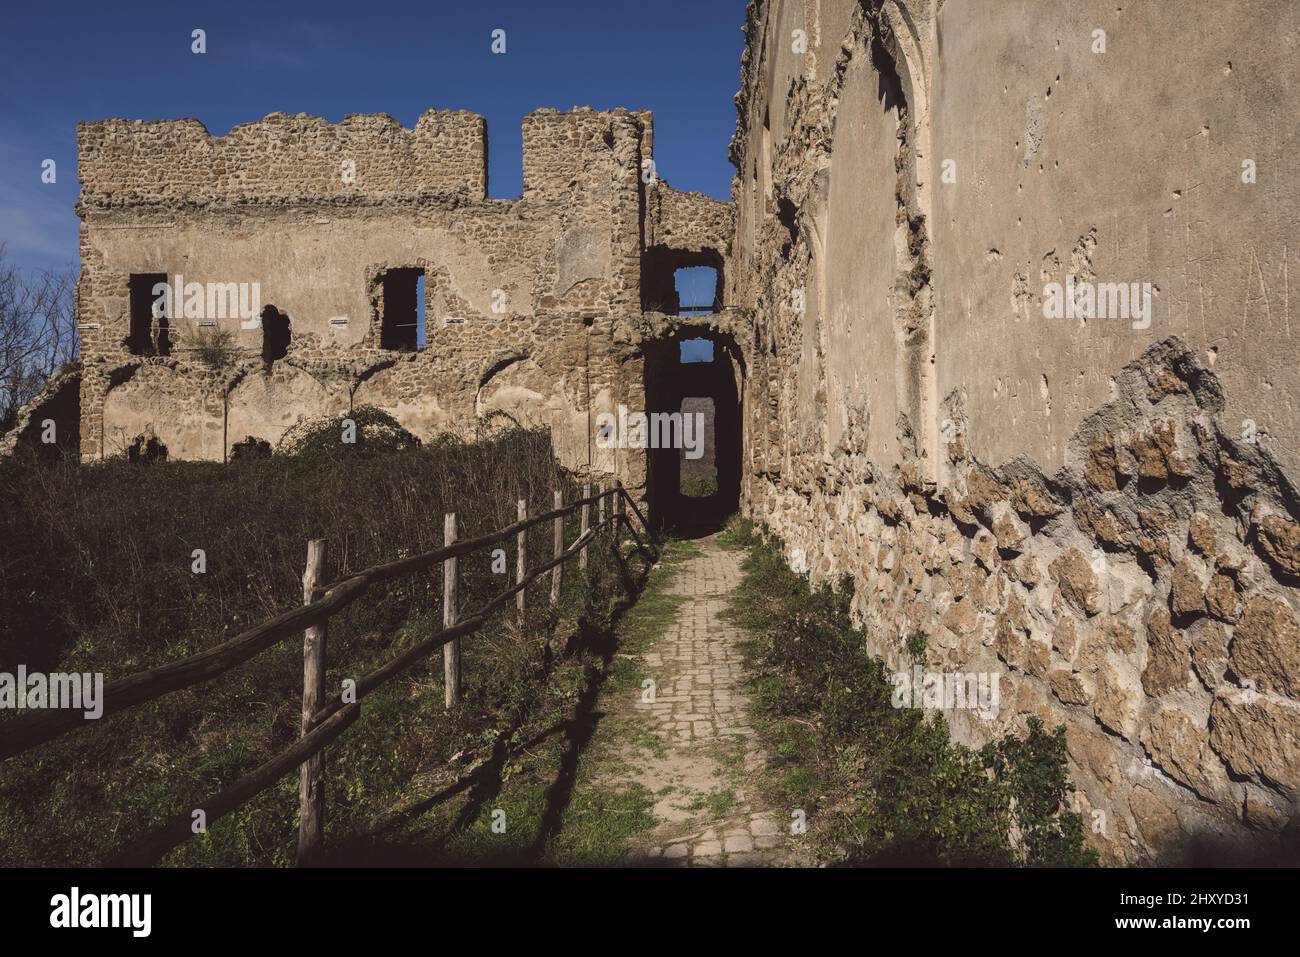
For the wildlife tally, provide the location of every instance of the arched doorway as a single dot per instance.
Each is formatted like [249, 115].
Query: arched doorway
[694, 389]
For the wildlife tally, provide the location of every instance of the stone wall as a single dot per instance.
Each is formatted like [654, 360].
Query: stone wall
[1098, 510]
[57, 405]
[283, 157]
[691, 222]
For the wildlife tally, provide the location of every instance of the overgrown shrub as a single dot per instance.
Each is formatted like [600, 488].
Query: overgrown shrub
[363, 432]
[251, 448]
[885, 785]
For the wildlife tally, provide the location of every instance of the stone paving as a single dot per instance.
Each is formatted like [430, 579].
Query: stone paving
[709, 751]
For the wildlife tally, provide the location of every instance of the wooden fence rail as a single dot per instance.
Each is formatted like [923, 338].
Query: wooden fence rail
[325, 719]
[451, 650]
[36, 727]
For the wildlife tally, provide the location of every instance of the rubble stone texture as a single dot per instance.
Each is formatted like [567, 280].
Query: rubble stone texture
[1103, 515]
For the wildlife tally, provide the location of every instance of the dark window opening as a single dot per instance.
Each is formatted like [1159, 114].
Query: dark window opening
[696, 350]
[788, 214]
[402, 324]
[145, 308]
[698, 467]
[275, 334]
[164, 334]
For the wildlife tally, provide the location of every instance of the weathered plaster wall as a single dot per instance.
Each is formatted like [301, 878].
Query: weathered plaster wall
[1123, 166]
[859, 270]
[1073, 506]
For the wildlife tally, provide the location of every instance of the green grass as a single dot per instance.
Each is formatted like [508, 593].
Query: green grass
[717, 803]
[636, 733]
[737, 535]
[600, 824]
[730, 754]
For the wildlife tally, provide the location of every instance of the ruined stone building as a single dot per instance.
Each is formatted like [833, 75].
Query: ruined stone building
[379, 273]
[1097, 505]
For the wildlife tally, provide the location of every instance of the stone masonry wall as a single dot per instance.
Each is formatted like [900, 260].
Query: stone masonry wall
[532, 306]
[1102, 514]
[129, 162]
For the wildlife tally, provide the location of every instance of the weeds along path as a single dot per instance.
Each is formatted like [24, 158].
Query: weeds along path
[679, 727]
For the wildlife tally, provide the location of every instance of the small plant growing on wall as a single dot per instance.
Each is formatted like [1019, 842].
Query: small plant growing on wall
[216, 348]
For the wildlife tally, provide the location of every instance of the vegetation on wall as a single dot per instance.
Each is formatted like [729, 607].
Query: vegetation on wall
[881, 784]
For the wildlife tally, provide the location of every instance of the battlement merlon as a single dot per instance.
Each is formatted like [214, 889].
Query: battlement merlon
[282, 157]
[580, 149]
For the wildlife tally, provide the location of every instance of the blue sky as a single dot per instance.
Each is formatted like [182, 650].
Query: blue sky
[80, 61]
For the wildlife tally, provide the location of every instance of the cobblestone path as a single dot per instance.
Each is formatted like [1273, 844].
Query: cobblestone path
[705, 753]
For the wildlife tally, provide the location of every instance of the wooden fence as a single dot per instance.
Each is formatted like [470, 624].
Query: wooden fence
[324, 719]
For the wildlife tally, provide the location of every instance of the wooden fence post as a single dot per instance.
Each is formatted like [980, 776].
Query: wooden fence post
[618, 511]
[559, 548]
[586, 523]
[521, 559]
[600, 507]
[311, 786]
[451, 650]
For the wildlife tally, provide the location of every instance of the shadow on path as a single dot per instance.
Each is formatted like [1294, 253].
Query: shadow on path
[386, 847]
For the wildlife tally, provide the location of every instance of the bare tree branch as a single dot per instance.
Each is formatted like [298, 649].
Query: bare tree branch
[37, 332]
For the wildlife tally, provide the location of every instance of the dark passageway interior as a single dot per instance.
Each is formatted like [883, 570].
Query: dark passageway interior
[144, 313]
[694, 375]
